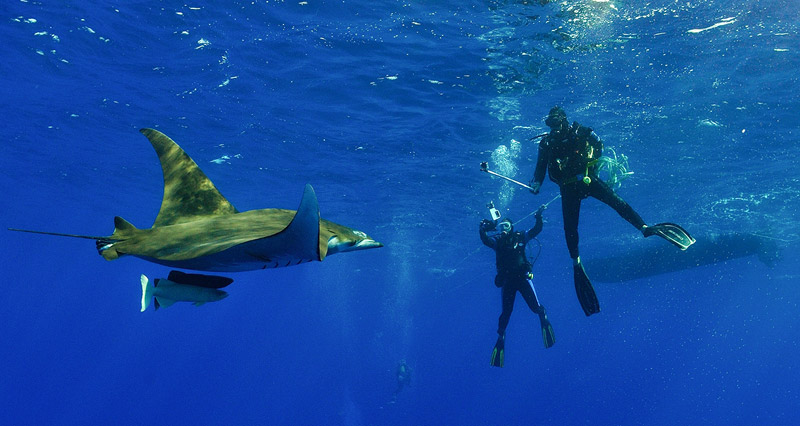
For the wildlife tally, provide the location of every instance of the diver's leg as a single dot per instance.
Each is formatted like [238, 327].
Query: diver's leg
[600, 190]
[528, 293]
[498, 353]
[571, 207]
[508, 293]
[570, 211]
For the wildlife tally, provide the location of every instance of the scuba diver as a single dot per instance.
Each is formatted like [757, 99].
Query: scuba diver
[514, 274]
[570, 154]
[403, 378]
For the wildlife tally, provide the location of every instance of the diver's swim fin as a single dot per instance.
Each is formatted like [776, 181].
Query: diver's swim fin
[585, 291]
[672, 233]
[548, 336]
[498, 354]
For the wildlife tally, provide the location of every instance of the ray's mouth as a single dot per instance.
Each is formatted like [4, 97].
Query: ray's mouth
[335, 245]
[366, 244]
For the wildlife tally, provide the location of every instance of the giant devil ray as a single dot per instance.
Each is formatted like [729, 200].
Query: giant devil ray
[197, 228]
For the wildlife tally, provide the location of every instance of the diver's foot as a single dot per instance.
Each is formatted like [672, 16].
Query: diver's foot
[585, 291]
[548, 336]
[498, 354]
[671, 232]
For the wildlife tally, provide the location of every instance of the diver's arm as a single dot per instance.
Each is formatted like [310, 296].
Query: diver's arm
[541, 163]
[485, 239]
[488, 241]
[537, 228]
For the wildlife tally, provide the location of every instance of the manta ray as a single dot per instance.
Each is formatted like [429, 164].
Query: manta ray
[197, 228]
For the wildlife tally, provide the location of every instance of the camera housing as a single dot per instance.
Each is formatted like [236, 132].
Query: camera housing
[493, 211]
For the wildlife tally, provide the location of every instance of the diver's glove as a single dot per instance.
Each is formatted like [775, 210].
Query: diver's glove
[487, 225]
[538, 214]
[535, 187]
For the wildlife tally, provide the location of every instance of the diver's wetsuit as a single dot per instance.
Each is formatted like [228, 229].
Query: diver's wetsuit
[566, 156]
[513, 269]
[403, 379]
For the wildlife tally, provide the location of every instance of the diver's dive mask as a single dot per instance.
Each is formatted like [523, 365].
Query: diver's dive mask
[556, 118]
[504, 226]
[555, 122]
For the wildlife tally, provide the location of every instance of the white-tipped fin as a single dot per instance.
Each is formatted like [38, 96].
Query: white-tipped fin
[147, 290]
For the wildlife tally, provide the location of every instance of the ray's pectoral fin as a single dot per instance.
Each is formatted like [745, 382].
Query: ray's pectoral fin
[299, 241]
[301, 238]
[188, 193]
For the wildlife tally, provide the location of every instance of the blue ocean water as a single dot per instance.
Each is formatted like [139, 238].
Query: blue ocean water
[387, 108]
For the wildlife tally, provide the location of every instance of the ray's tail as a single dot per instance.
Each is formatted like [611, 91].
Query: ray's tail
[102, 243]
[58, 234]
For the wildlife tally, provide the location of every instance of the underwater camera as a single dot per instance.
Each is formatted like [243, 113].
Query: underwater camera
[493, 211]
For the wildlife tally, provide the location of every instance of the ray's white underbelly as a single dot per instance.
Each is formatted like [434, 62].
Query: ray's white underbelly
[235, 259]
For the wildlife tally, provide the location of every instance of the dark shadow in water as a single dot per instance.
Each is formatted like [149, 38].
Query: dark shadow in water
[645, 258]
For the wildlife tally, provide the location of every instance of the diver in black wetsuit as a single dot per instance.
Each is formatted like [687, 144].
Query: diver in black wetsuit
[514, 275]
[403, 379]
[570, 155]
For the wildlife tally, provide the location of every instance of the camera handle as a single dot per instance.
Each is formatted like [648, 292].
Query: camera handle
[485, 168]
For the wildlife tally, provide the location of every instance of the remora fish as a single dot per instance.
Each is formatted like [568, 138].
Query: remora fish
[181, 287]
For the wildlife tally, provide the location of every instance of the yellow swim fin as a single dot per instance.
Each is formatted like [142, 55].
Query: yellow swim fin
[498, 354]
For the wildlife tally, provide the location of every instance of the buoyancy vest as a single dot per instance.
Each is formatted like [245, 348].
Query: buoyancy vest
[510, 256]
[573, 154]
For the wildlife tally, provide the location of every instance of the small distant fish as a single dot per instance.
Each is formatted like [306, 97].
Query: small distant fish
[725, 21]
[708, 123]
